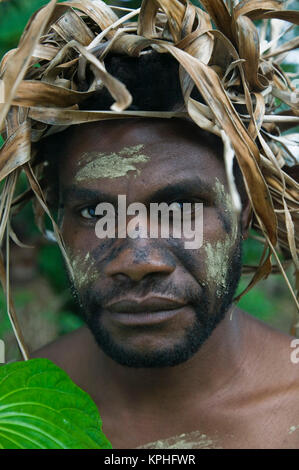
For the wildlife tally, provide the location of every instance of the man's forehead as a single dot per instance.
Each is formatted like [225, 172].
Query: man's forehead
[146, 160]
[111, 149]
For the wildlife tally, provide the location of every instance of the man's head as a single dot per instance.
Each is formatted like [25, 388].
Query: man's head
[148, 302]
[164, 53]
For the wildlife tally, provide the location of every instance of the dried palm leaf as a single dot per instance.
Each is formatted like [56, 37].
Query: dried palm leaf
[237, 72]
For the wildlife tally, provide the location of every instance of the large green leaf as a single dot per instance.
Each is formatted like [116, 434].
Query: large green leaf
[40, 407]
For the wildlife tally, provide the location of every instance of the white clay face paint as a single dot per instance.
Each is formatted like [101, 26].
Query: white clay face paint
[114, 165]
[218, 254]
[84, 269]
[192, 440]
[293, 429]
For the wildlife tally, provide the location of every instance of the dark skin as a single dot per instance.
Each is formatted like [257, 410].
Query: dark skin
[240, 388]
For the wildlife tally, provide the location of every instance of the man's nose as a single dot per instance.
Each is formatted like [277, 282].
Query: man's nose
[136, 264]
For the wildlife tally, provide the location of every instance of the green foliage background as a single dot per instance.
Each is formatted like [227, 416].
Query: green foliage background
[41, 408]
[269, 301]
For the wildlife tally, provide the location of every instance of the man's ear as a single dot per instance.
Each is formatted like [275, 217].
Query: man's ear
[246, 217]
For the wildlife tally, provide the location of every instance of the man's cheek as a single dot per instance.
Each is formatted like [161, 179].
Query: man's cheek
[84, 268]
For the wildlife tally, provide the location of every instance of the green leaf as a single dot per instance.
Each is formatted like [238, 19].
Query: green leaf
[41, 408]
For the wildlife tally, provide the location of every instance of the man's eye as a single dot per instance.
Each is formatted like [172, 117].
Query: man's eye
[187, 206]
[88, 212]
[177, 205]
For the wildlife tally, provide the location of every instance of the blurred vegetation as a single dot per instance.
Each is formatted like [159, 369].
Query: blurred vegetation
[269, 300]
[14, 15]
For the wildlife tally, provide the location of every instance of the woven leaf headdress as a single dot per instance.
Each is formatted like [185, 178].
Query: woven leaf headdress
[234, 61]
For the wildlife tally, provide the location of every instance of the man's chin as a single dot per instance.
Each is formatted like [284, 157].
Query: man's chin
[144, 357]
[146, 349]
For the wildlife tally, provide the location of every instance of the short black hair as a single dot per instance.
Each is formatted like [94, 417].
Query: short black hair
[152, 79]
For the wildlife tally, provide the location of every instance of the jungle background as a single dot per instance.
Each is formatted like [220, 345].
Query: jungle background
[39, 284]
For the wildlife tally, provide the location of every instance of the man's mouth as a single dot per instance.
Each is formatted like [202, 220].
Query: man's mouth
[150, 310]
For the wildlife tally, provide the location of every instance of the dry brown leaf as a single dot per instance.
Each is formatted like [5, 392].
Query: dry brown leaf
[15, 67]
[256, 7]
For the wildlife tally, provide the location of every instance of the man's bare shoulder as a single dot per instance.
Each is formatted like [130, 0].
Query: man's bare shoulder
[271, 376]
[275, 347]
[271, 354]
[69, 351]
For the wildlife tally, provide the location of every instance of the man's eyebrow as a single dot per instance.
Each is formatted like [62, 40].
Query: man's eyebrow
[75, 193]
[195, 186]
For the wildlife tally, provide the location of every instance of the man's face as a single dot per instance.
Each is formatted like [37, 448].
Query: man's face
[149, 302]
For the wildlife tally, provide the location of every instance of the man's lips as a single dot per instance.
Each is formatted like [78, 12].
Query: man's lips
[149, 304]
[150, 310]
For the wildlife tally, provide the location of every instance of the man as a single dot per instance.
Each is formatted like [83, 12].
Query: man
[166, 356]
[165, 353]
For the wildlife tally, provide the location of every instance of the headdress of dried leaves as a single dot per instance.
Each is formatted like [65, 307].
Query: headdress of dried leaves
[221, 51]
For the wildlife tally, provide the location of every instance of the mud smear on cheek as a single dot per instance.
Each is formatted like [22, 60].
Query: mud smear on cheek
[113, 165]
[192, 440]
[84, 269]
[218, 255]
